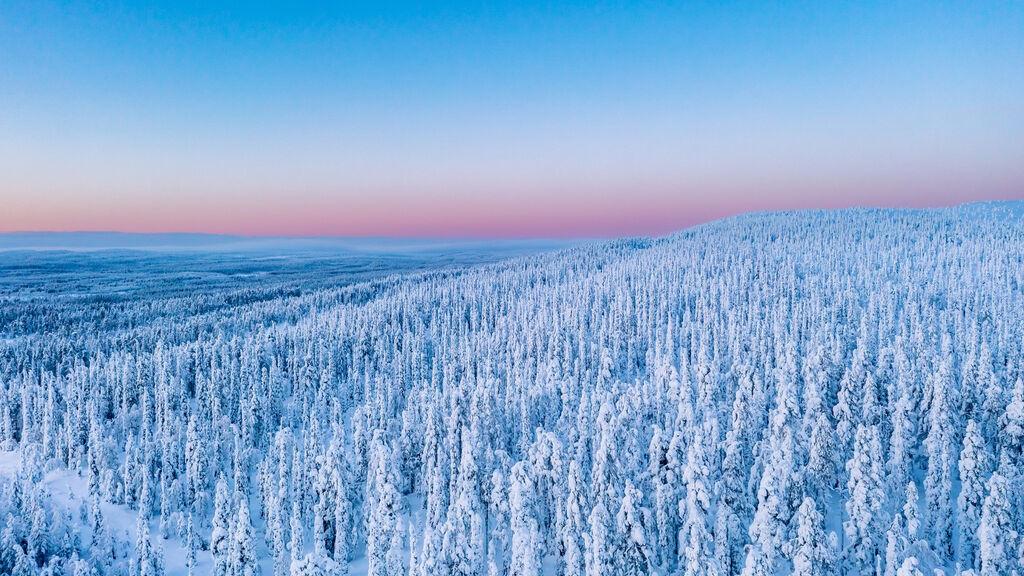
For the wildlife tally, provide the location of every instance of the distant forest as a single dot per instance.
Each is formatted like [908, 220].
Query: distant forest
[806, 393]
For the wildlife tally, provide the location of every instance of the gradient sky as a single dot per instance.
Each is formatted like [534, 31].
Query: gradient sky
[499, 118]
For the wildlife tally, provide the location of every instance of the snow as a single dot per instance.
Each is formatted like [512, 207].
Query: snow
[67, 490]
[646, 405]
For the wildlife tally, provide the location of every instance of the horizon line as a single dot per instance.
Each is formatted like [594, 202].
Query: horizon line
[502, 237]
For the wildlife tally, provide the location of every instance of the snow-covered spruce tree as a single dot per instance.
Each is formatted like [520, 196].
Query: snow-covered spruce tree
[776, 499]
[278, 502]
[325, 530]
[1011, 424]
[631, 534]
[148, 560]
[974, 469]
[190, 547]
[548, 472]
[295, 542]
[847, 411]
[866, 506]
[821, 460]
[414, 551]
[730, 539]
[695, 538]
[382, 523]
[663, 498]
[990, 386]
[734, 504]
[431, 557]
[220, 537]
[600, 546]
[158, 558]
[102, 550]
[604, 476]
[896, 543]
[147, 498]
[902, 439]
[995, 533]
[759, 562]
[394, 560]
[526, 547]
[938, 483]
[339, 512]
[903, 537]
[242, 550]
[912, 512]
[813, 552]
[463, 542]
[910, 568]
[574, 525]
[499, 541]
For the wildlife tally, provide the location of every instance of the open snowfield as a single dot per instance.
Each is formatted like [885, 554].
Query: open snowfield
[783, 393]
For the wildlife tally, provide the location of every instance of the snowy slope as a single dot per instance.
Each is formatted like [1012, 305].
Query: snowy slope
[817, 392]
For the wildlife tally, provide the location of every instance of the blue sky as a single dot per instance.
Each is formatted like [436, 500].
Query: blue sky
[394, 118]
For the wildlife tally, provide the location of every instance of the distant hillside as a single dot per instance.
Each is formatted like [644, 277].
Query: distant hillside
[82, 241]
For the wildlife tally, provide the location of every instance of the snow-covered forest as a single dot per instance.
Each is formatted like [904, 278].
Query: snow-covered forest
[809, 393]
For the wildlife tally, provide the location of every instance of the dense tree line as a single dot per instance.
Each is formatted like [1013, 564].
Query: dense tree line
[812, 393]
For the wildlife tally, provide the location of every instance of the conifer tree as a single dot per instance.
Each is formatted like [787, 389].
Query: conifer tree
[813, 552]
[600, 549]
[996, 532]
[938, 483]
[243, 558]
[973, 470]
[695, 538]
[573, 526]
[526, 547]
[866, 505]
[221, 536]
[631, 533]
[295, 544]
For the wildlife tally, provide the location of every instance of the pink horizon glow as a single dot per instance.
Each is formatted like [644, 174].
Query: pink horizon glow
[567, 216]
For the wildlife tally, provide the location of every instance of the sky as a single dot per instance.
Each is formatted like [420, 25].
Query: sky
[498, 119]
